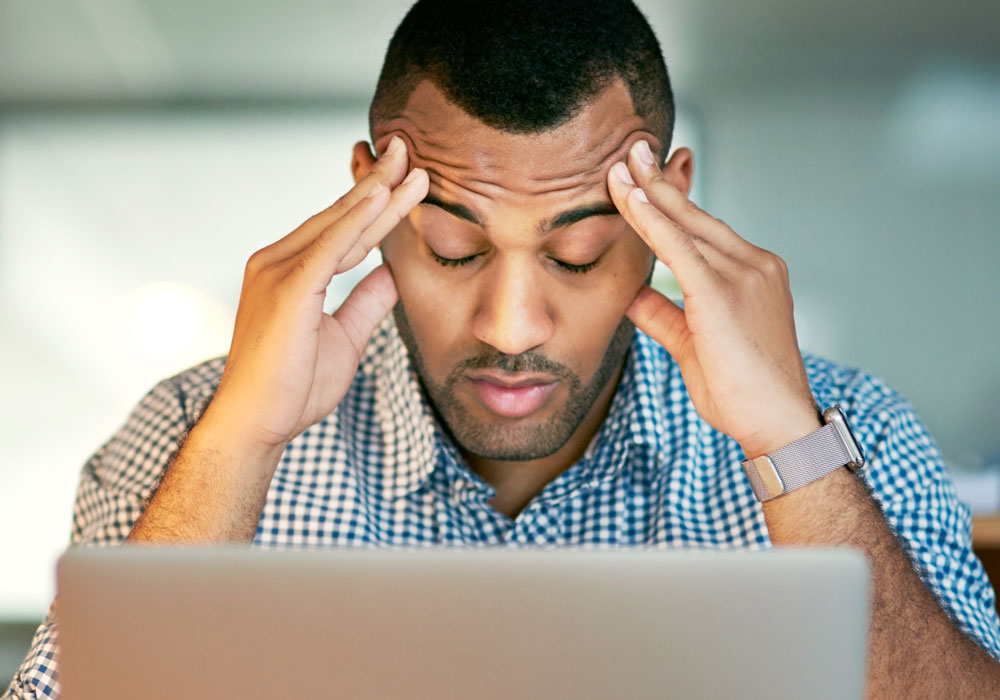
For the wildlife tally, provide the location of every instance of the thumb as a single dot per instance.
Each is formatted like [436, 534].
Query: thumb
[660, 319]
[367, 305]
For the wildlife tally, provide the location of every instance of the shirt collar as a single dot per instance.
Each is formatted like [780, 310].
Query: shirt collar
[403, 414]
[413, 443]
[633, 429]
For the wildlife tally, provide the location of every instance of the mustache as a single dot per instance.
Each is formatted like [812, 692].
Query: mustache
[523, 362]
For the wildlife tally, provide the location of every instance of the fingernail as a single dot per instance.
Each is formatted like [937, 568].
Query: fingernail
[622, 173]
[640, 194]
[395, 143]
[374, 191]
[645, 154]
[410, 177]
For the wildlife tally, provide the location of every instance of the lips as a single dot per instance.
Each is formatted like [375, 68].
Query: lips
[512, 400]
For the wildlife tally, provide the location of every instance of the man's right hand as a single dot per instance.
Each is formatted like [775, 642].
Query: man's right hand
[289, 364]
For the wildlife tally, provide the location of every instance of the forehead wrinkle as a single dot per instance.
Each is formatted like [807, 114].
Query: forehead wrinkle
[613, 155]
[489, 188]
[436, 165]
[425, 146]
[449, 185]
[567, 183]
[404, 128]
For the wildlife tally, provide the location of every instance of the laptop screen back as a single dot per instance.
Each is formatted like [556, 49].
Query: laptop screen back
[386, 624]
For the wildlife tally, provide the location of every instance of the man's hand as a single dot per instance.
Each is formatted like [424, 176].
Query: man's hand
[735, 343]
[290, 364]
[734, 340]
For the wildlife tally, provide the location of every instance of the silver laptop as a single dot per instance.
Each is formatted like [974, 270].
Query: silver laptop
[461, 624]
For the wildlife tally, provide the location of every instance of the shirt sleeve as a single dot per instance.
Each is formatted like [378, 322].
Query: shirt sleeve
[907, 477]
[114, 485]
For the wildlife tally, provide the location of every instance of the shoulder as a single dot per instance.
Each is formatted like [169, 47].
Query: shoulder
[156, 426]
[905, 472]
[879, 415]
[193, 388]
[841, 383]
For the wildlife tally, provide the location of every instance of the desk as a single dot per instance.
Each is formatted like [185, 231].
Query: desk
[986, 545]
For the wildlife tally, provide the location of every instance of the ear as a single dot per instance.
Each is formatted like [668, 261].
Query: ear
[362, 160]
[679, 170]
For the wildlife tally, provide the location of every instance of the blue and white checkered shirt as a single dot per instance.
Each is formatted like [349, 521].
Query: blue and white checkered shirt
[379, 471]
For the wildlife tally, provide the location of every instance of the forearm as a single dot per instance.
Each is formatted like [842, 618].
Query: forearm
[915, 650]
[213, 491]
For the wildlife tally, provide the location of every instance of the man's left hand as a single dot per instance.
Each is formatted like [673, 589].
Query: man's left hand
[734, 339]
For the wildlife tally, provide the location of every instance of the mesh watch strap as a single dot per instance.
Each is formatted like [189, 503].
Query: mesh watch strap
[807, 459]
[801, 462]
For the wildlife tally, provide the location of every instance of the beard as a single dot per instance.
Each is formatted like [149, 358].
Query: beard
[518, 442]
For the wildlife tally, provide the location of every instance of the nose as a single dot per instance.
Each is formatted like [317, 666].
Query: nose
[513, 314]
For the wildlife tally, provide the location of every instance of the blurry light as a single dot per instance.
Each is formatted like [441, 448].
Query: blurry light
[163, 327]
[943, 124]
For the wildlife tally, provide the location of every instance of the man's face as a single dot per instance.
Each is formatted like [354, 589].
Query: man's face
[515, 273]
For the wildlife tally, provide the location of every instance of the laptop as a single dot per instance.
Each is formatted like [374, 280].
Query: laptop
[387, 624]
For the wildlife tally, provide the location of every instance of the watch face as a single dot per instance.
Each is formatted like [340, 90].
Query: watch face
[836, 416]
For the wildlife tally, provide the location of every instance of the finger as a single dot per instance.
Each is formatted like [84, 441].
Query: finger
[316, 264]
[669, 242]
[367, 305]
[660, 319]
[388, 171]
[404, 199]
[672, 202]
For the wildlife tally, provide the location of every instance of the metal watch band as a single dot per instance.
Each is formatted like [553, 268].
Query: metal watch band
[817, 454]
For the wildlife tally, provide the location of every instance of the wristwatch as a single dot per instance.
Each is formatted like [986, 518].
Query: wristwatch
[817, 454]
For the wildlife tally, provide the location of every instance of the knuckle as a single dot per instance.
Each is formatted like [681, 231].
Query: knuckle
[301, 265]
[256, 263]
[689, 207]
[687, 244]
[773, 266]
[334, 210]
[757, 275]
[782, 266]
[394, 216]
[341, 201]
[652, 175]
[380, 172]
[643, 314]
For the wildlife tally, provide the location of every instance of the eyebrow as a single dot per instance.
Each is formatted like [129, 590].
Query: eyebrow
[564, 219]
[462, 212]
[580, 213]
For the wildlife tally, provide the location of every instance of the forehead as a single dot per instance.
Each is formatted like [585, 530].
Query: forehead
[459, 150]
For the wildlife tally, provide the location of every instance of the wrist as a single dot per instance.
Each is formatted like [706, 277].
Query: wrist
[788, 431]
[805, 459]
[233, 443]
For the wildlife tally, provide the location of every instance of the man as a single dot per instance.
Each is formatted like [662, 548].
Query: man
[520, 198]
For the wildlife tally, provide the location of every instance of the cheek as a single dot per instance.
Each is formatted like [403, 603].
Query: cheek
[419, 279]
[432, 307]
[590, 315]
[607, 293]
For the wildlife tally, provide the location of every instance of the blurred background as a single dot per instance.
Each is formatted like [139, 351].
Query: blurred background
[147, 148]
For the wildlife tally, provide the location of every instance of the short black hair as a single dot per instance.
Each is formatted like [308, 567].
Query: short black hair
[525, 66]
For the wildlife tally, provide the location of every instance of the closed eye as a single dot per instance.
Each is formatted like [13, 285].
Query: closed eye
[568, 267]
[578, 269]
[454, 262]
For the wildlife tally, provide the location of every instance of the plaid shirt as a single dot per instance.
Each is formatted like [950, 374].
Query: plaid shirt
[379, 471]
